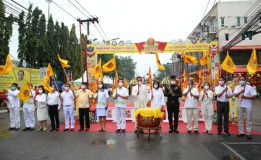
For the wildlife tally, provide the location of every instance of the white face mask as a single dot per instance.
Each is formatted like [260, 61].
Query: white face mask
[40, 91]
[173, 82]
[120, 84]
[221, 82]
[139, 83]
[206, 87]
[83, 87]
[156, 86]
[242, 82]
[100, 86]
[66, 88]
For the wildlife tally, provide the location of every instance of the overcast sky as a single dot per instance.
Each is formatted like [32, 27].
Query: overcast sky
[134, 20]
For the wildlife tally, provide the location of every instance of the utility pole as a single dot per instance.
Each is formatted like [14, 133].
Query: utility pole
[49, 1]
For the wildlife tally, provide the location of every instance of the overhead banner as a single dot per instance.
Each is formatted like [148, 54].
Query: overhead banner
[150, 46]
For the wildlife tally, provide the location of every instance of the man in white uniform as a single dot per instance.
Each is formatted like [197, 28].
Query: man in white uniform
[246, 94]
[28, 110]
[223, 93]
[120, 95]
[13, 107]
[191, 105]
[140, 95]
[68, 104]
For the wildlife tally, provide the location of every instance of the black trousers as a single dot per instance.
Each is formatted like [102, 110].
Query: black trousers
[222, 109]
[54, 116]
[84, 115]
[173, 109]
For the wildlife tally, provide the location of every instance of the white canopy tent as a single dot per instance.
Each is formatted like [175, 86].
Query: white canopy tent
[107, 80]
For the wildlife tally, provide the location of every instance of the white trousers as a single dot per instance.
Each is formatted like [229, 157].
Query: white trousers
[192, 113]
[68, 115]
[208, 116]
[14, 117]
[121, 118]
[29, 118]
[248, 113]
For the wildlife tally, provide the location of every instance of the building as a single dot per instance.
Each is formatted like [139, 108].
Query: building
[236, 25]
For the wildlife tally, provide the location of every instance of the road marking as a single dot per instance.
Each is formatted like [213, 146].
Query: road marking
[233, 151]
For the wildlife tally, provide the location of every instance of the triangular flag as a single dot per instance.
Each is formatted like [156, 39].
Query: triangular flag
[252, 66]
[189, 59]
[8, 63]
[98, 70]
[204, 60]
[160, 67]
[228, 65]
[24, 94]
[49, 71]
[63, 62]
[110, 65]
[200, 80]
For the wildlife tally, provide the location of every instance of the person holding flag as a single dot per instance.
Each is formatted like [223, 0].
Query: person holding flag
[13, 107]
[246, 94]
[120, 95]
[28, 107]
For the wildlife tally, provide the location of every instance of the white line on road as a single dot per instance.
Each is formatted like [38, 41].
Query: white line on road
[233, 151]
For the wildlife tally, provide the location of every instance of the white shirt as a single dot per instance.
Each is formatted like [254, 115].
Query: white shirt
[41, 100]
[30, 103]
[249, 91]
[219, 89]
[102, 97]
[68, 98]
[140, 100]
[13, 100]
[207, 98]
[158, 99]
[120, 102]
[191, 102]
[53, 98]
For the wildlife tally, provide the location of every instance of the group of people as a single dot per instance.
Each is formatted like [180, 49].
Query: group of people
[51, 103]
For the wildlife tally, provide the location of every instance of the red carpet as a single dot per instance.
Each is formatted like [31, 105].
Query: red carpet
[111, 127]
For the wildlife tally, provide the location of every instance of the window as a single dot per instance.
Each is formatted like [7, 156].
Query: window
[226, 36]
[245, 20]
[238, 21]
[222, 21]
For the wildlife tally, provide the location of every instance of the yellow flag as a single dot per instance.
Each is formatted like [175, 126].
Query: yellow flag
[8, 63]
[189, 59]
[98, 70]
[3, 70]
[63, 62]
[47, 84]
[252, 66]
[95, 86]
[200, 80]
[160, 67]
[49, 71]
[116, 78]
[150, 78]
[184, 79]
[228, 65]
[110, 65]
[204, 60]
[24, 94]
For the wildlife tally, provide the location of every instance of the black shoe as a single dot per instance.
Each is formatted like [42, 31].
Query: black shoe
[100, 130]
[249, 137]
[195, 132]
[72, 129]
[57, 129]
[17, 129]
[170, 131]
[227, 133]
[189, 132]
[219, 133]
[26, 129]
[52, 130]
[240, 135]
[66, 130]
[31, 129]
[11, 128]
[80, 130]
[176, 131]
[118, 131]
[123, 131]
[87, 129]
[135, 131]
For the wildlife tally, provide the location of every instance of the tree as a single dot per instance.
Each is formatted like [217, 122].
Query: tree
[43, 56]
[6, 31]
[21, 38]
[162, 74]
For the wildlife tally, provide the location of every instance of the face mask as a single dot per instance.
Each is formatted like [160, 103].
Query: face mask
[156, 86]
[13, 88]
[120, 84]
[221, 82]
[100, 86]
[242, 83]
[83, 87]
[139, 82]
[66, 88]
[53, 89]
[173, 82]
[206, 87]
[40, 91]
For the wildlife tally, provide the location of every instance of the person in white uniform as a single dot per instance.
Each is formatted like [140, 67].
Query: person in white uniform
[28, 110]
[42, 110]
[102, 101]
[246, 94]
[206, 98]
[120, 95]
[68, 104]
[140, 96]
[223, 93]
[191, 106]
[54, 104]
[157, 96]
[13, 107]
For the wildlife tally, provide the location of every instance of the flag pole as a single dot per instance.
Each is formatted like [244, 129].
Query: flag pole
[15, 76]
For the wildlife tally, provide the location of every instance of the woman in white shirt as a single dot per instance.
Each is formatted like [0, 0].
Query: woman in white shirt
[157, 96]
[42, 111]
[102, 101]
[206, 97]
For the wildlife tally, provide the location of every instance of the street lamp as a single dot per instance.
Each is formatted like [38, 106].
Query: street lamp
[49, 1]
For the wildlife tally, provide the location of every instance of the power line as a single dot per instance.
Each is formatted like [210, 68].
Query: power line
[78, 9]
[64, 10]
[103, 31]
[83, 8]
[205, 9]
[99, 32]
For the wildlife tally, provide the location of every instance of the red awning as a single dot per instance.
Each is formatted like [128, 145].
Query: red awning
[244, 69]
[245, 47]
